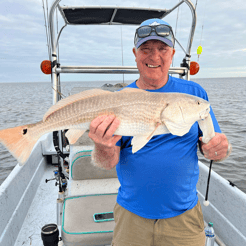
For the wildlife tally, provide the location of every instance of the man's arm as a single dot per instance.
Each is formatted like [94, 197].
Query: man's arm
[106, 153]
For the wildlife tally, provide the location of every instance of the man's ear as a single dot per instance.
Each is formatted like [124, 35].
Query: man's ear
[173, 52]
[134, 50]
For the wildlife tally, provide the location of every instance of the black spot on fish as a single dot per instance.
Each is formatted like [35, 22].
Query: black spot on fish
[24, 131]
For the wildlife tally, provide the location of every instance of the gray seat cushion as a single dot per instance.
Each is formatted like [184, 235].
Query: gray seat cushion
[78, 225]
[82, 168]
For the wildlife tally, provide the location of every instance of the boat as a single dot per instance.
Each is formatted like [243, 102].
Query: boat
[55, 196]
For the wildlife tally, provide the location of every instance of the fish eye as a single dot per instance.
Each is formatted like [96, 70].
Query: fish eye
[198, 102]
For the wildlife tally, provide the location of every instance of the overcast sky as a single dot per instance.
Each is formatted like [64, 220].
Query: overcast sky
[24, 46]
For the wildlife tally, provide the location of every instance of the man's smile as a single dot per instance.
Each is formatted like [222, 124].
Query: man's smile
[152, 66]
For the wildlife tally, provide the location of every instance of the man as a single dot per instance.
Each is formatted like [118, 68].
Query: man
[157, 202]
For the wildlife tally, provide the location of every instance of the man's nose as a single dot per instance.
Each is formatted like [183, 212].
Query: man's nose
[155, 53]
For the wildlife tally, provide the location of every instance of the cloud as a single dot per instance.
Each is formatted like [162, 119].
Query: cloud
[22, 23]
[5, 19]
[23, 39]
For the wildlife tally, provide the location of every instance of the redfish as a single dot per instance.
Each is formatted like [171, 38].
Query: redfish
[142, 114]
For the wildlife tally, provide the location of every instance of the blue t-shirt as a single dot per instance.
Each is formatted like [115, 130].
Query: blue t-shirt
[159, 181]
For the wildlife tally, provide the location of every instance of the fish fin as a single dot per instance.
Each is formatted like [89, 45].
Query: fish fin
[174, 121]
[152, 133]
[19, 142]
[74, 134]
[74, 98]
[139, 141]
[177, 129]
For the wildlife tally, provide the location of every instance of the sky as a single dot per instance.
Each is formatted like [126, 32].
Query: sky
[220, 30]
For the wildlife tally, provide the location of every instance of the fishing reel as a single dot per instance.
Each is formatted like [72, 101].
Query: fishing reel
[60, 179]
[61, 174]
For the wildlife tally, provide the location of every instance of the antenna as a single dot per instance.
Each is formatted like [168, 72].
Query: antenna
[46, 27]
[122, 52]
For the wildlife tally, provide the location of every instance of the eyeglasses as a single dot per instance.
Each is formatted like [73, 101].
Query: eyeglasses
[160, 30]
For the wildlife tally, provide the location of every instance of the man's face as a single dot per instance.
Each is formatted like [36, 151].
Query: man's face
[153, 60]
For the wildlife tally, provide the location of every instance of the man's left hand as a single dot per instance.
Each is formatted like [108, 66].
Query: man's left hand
[217, 148]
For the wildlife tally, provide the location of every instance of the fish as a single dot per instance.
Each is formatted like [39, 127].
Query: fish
[142, 114]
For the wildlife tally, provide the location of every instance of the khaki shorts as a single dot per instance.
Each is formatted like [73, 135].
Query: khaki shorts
[186, 229]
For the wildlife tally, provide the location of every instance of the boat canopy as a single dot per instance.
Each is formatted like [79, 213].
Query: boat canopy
[94, 15]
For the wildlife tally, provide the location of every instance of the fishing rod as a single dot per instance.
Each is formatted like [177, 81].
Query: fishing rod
[46, 27]
[206, 202]
[207, 127]
[62, 177]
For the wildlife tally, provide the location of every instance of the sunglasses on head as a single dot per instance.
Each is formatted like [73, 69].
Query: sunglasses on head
[160, 30]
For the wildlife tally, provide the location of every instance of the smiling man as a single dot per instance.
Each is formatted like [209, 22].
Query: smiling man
[157, 203]
[153, 60]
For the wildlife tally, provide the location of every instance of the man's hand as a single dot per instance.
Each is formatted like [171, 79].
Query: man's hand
[102, 129]
[106, 153]
[217, 148]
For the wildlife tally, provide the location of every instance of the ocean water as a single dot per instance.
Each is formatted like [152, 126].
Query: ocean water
[24, 103]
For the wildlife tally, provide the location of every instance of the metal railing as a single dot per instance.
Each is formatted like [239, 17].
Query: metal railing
[112, 69]
[109, 69]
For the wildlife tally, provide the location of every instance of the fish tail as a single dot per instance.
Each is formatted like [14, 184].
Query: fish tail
[19, 142]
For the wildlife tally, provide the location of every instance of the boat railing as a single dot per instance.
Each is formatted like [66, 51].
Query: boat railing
[104, 15]
[112, 69]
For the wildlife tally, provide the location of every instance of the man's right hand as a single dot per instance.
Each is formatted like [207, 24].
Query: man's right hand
[102, 129]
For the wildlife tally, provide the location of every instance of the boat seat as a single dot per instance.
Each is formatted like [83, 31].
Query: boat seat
[90, 190]
[93, 186]
[82, 168]
[78, 225]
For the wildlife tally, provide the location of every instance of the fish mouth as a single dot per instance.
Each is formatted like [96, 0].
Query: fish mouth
[204, 114]
[152, 66]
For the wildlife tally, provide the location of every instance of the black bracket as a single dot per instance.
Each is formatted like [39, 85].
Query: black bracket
[184, 64]
[55, 63]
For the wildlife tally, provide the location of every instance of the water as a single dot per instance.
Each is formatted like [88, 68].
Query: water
[24, 103]
[228, 99]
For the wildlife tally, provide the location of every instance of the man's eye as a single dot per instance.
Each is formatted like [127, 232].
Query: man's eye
[145, 50]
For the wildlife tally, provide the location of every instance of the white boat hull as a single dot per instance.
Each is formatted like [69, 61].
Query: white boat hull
[227, 209]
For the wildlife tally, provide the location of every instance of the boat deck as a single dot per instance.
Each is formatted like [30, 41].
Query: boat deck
[41, 212]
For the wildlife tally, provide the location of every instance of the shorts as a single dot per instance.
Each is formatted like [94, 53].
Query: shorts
[186, 229]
